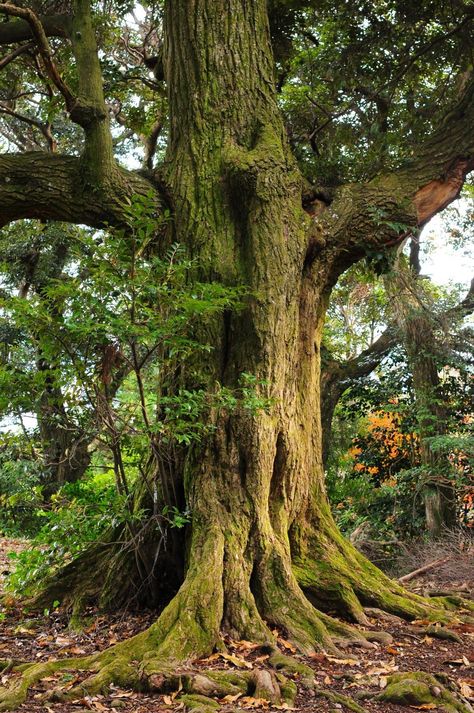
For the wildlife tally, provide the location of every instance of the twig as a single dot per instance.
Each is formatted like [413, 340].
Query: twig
[16, 53]
[39, 34]
[422, 570]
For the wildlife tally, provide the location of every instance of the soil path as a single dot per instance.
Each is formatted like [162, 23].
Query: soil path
[41, 637]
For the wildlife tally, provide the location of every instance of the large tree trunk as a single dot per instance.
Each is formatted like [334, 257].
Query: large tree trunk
[238, 206]
[256, 488]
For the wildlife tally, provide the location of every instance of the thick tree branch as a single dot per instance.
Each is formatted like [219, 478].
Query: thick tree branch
[20, 30]
[364, 219]
[90, 110]
[51, 187]
[363, 364]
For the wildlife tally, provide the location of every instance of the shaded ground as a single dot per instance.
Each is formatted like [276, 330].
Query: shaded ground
[29, 638]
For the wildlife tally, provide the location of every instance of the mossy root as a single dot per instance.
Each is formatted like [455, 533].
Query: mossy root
[417, 688]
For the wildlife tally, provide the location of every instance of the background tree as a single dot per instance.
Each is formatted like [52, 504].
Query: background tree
[381, 478]
[427, 356]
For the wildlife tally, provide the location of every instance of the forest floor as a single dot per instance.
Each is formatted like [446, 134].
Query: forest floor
[45, 637]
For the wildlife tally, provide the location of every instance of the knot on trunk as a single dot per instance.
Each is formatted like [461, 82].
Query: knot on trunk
[86, 114]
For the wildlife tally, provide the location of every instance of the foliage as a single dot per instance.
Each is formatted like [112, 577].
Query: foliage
[380, 483]
[20, 492]
[375, 473]
[357, 312]
[365, 79]
[115, 344]
[75, 516]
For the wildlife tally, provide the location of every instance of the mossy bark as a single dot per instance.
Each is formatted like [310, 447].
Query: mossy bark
[256, 487]
[418, 689]
[237, 194]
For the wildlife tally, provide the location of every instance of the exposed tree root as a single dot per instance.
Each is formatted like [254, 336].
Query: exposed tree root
[225, 590]
[417, 688]
[190, 627]
[338, 578]
[283, 604]
[339, 698]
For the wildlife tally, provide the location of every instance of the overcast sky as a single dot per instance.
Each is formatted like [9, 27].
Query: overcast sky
[443, 263]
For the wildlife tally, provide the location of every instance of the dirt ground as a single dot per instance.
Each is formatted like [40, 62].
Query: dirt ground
[27, 638]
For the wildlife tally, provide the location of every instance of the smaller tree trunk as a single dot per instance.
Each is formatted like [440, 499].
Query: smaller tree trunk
[65, 448]
[417, 333]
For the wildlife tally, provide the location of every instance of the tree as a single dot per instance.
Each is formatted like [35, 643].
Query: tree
[438, 341]
[426, 358]
[262, 548]
[34, 258]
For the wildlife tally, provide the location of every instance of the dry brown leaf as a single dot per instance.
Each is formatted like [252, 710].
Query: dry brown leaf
[345, 662]
[98, 706]
[210, 659]
[230, 698]
[236, 660]
[250, 702]
[63, 641]
[245, 645]
[168, 700]
[85, 702]
[287, 645]
[384, 668]
[466, 689]
[426, 707]
[327, 680]
[44, 642]
[391, 650]
[421, 622]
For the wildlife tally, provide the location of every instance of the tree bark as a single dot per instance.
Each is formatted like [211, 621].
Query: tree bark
[52, 187]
